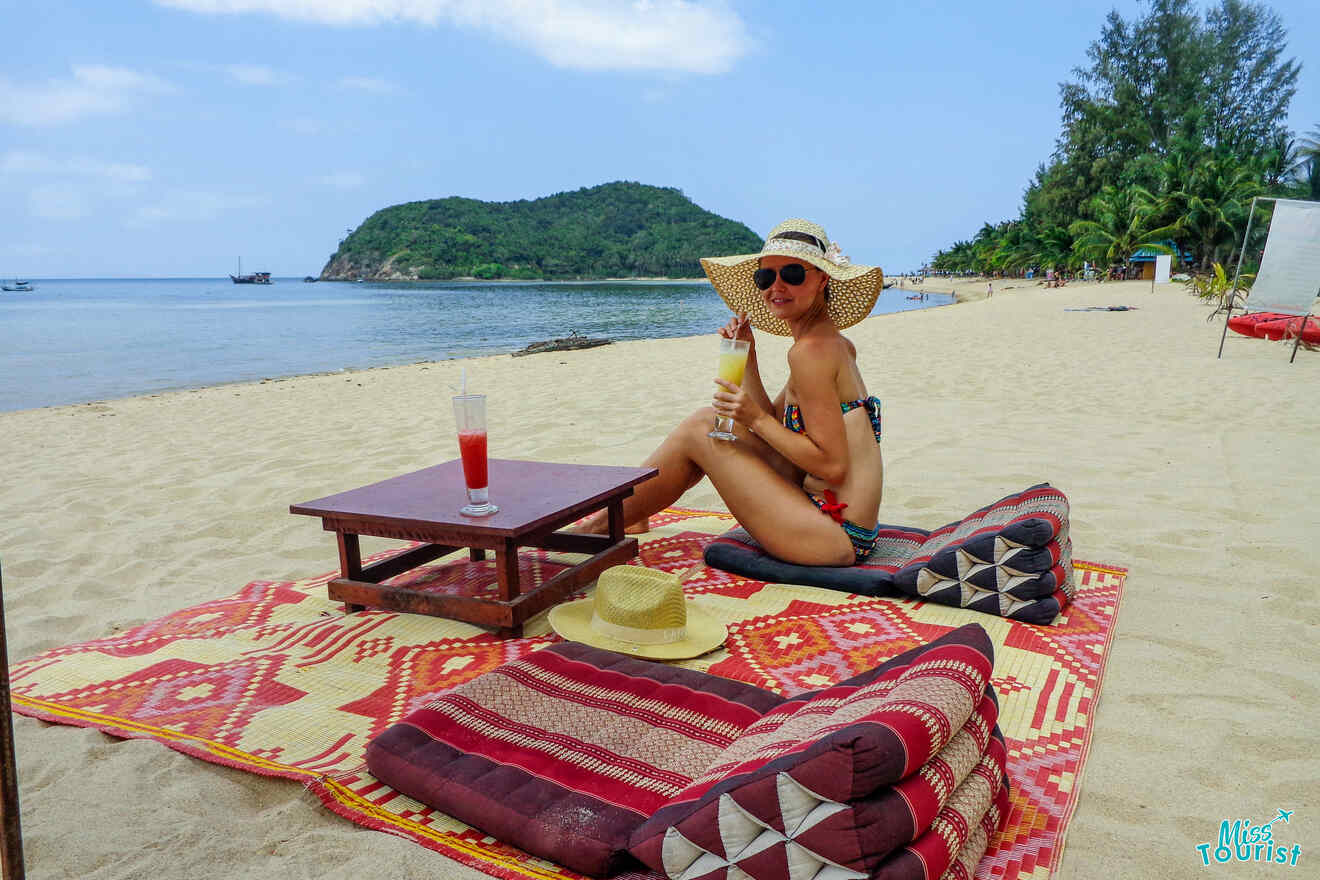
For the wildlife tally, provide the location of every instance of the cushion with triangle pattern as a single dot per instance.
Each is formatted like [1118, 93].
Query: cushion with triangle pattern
[838, 779]
[1012, 558]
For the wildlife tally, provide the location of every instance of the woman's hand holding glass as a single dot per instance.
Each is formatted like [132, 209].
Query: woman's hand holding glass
[734, 404]
[736, 348]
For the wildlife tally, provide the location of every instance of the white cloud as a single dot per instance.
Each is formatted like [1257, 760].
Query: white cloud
[342, 180]
[17, 162]
[256, 75]
[93, 90]
[372, 84]
[694, 36]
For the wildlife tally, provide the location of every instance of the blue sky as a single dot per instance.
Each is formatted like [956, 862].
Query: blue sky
[169, 138]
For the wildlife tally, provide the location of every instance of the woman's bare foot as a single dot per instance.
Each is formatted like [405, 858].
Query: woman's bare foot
[599, 524]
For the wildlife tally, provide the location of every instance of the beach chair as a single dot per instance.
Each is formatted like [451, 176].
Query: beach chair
[11, 845]
[1289, 277]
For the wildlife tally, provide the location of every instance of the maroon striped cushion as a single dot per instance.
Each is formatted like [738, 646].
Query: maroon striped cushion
[931, 854]
[813, 776]
[565, 752]
[978, 841]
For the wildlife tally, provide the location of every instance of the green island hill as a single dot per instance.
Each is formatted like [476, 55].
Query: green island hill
[615, 230]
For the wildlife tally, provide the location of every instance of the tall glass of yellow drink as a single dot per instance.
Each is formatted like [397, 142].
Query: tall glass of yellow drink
[733, 361]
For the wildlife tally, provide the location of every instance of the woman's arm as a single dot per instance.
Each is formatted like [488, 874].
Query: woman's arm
[823, 450]
[739, 327]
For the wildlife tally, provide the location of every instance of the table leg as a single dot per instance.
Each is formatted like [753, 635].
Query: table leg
[506, 573]
[616, 520]
[350, 564]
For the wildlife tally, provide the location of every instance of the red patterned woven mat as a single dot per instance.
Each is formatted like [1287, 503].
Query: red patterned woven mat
[276, 680]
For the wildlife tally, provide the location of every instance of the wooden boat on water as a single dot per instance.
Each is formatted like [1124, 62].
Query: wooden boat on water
[254, 278]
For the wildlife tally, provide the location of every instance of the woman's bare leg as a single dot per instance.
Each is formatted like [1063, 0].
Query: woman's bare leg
[678, 473]
[754, 482]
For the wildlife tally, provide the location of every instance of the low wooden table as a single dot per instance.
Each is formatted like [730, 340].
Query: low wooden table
[534, 499]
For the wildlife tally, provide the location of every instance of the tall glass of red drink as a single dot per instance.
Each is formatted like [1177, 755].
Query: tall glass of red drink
[470, 417]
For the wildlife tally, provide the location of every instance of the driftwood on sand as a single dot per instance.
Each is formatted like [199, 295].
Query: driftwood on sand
[567, 343]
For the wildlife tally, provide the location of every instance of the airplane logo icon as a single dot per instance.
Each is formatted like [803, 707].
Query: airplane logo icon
[1285, 815]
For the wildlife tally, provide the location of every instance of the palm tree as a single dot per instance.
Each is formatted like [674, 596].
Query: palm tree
[1013, 249]
[1309, 147]
[1050, 247]
[1213, 209]
[984, 245]
[1310, 178]
[1308, 165]
[1122, 224]
[1281, 160]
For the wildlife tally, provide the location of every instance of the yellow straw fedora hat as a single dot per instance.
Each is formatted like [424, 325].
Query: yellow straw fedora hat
[642, 612]
[853, 287]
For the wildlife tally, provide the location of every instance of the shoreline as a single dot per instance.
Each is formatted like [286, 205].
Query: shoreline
[701, 279]
[349, 371]
[119, 513]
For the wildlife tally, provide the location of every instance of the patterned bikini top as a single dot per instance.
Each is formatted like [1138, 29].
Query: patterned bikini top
[793, 414]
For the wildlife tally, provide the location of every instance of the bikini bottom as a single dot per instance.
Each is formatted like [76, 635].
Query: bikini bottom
[862, 540]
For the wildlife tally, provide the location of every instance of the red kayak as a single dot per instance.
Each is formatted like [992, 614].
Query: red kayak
[1310, 332]
[1272, 329]
[1247, 324]
[1282, 327]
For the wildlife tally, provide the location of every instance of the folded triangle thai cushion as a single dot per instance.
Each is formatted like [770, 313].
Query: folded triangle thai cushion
[1011, 558]
[886, 771]
[572, 752]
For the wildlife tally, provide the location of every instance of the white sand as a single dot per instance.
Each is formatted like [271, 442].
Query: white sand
[1198, 474]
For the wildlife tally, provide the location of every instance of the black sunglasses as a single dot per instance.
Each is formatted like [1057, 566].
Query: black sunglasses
[793, 275]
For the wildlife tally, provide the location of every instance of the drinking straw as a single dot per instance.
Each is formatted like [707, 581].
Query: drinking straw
[464, 373]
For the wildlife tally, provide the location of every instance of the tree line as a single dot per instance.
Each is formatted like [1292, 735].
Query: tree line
[616, 230]
[1178, 121]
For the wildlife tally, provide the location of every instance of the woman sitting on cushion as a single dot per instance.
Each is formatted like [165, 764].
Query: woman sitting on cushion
[805, 473]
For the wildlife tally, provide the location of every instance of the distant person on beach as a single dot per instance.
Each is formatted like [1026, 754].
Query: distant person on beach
[804, 472]
[989, 289]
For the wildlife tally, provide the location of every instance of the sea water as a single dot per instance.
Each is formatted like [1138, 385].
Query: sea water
[73, 341]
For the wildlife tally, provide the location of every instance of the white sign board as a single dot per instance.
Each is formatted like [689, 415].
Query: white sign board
[1162, 263]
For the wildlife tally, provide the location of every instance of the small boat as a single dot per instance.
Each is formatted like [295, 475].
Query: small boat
[308, 279]
[18, 286]
[254, 278]
[1287, 327]
[1247, 324]
[1275, 326]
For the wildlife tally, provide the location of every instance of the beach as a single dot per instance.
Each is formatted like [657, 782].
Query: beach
[1198, 475]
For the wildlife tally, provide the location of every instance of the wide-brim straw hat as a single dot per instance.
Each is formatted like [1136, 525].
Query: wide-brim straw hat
[853, 287]
[640, 612]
